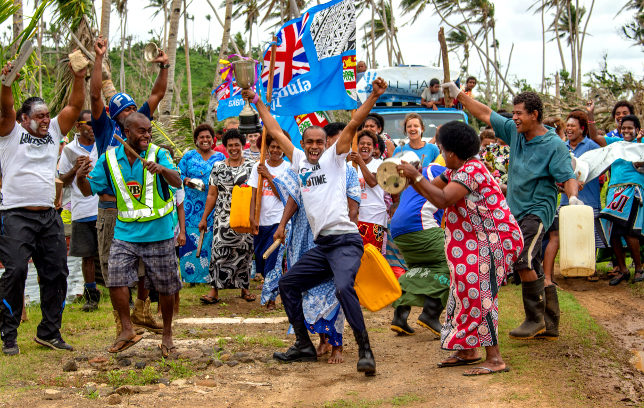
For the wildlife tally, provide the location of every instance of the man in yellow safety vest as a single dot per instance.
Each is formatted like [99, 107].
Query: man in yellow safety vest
[144, 227]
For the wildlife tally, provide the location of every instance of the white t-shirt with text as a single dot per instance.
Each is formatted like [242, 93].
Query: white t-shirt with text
[324, 192]
[29, 167]
[272, 207]
[372, 199]
[82, 207]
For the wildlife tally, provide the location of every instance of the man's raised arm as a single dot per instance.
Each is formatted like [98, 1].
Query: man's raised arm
[161, 84]
[272, 127]
[476, 108]
[69, 115]
[7, 112]
[343, 144]
[96, 80]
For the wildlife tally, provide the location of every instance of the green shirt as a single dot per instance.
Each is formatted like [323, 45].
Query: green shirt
[535, 167]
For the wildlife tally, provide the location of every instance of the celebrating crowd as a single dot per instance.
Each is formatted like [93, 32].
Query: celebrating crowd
[478, 211]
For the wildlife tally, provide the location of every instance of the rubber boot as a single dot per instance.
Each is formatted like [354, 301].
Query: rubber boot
[92, 297]
[366, 361]
[142, 317]
[551, 315]
[399, 322]
[431, 314]
[302, 350]
[534, 306]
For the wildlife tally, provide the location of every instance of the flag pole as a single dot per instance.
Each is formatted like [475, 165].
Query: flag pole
[262, 153]
[354, 144]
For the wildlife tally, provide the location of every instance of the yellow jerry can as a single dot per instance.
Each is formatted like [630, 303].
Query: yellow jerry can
[577, 240]
[376, 284]
[240, 209]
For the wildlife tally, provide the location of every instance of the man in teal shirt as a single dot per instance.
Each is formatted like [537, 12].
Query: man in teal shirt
[538, 160]
[144, 228]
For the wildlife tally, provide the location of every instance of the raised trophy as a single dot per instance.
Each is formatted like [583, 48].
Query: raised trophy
[150, 51]
[245, 77]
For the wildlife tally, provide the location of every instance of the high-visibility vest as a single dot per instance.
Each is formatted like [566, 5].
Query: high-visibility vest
[151, 205]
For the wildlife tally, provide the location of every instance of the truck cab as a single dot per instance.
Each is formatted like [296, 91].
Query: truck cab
[405, 85]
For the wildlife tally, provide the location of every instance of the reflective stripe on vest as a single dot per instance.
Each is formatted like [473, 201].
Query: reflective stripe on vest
[151, 206]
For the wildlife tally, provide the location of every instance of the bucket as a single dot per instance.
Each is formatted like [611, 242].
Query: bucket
[240, 209]
[388, 176]
[375, 284]
[577, 241]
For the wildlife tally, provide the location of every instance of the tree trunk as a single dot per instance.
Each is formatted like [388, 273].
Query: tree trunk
[293, 10]
[581, 46]
[17, 25]
[106, 9]
[165, 24]
[211, 116]
[191, 108]
[166, 102]
[123, 31]
[556, 23]
[41, 28]
[571, 38]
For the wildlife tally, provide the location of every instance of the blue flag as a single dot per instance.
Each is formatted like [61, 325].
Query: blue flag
[230, 101]
[315, 61]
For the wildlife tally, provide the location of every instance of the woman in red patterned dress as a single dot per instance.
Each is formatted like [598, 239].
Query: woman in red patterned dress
[482, 241]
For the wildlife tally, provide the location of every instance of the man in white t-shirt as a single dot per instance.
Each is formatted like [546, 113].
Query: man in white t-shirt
[31, 227]
[339, 246]
[84, 240]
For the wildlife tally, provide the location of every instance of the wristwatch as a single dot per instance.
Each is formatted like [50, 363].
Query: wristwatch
[418, 178]
[164, 66]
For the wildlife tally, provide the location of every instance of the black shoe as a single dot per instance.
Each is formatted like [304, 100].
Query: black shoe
[429, 318]
[303, 349]
[619, 278]
[54, 344]
[10, 348]
[399, 322]
[92, 297]
[366, 361]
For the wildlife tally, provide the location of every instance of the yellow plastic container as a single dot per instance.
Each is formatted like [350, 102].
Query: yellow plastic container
[577, 241]
[376, 284]
[240, 209]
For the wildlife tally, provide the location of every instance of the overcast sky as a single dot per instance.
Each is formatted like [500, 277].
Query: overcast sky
[419, 40]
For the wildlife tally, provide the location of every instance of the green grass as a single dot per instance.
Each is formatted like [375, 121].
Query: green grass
[117, 378]
[397, 401]
[262, 340]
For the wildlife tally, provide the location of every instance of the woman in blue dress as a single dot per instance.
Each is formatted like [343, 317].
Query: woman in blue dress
[197, 164]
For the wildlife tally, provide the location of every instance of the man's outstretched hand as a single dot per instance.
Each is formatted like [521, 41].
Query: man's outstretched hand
[379, 87]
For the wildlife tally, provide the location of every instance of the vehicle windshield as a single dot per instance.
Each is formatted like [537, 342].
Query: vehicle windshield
[394, 122]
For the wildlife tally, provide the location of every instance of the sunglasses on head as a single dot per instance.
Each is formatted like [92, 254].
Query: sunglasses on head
[84, 122]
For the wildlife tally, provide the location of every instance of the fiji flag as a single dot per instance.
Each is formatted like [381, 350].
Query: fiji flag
[315, 61]
[295, 125]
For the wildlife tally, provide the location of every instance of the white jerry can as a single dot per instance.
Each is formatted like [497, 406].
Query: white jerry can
[577, 241]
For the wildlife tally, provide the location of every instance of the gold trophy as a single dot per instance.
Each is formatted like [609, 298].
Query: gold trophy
[245, 77]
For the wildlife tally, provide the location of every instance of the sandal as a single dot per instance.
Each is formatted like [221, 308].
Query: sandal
[249, 297]
[166, 351]
[209, 300]
[270, 305]
[619, 278]
[485, 371]
[639, 278]
[124, 343]
[460, 361]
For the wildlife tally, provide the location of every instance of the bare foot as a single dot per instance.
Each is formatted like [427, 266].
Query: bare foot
[323, 348]
[461, 357]
[336, 355]
[270, 305]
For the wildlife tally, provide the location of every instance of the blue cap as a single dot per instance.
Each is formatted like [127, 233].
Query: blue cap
[119, 102]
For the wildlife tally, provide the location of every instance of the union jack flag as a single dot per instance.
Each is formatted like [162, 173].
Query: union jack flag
[223, 90]
[290, 56]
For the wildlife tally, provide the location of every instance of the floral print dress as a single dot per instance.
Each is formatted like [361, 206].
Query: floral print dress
[482, 241]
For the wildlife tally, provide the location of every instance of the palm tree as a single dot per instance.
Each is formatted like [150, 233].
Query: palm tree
[17, 24]
[634, 30]
[413, 6]
[121, 8]
[175, 13]
[161, 5]
[249, 10]
[457, 38]
[106, 10]
[191, 108]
